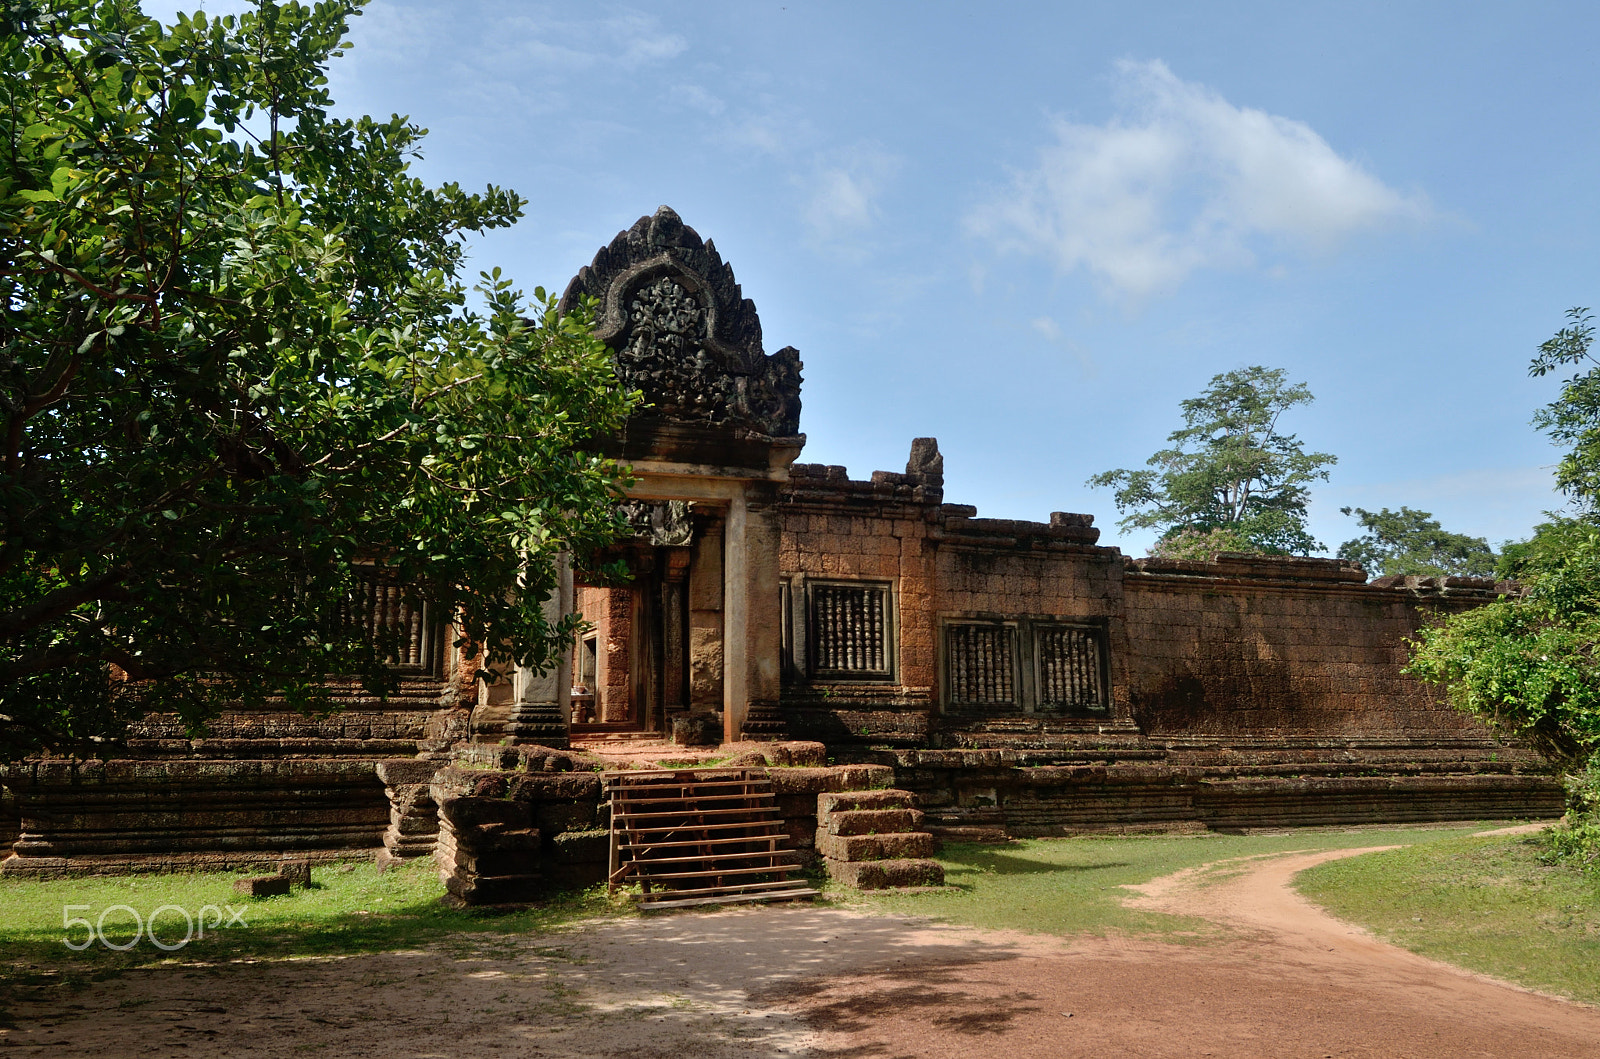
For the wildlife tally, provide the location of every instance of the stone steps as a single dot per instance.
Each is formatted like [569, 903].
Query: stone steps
[702, 837]
[872, 840]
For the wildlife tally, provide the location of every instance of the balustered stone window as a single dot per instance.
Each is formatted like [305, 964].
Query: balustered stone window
[849, 630]
[405, 630]
[1023, 665]
[981, 660]
[1070, 674]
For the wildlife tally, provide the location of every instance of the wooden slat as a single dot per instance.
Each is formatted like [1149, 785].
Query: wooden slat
[749, 887]
[711, 827]
[713, 873]
[699, 822]
[699, 798]
[697, 859]
[703, 842]
[679, 813]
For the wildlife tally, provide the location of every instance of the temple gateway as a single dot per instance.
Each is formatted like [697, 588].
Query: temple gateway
[1010, 677]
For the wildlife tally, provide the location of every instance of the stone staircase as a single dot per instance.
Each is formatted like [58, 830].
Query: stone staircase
[699, 837]
[871, 840]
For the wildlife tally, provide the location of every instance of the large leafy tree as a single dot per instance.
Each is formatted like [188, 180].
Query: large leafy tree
[1232, 476]
[1414, 542]
[1530, 665]
[239, 378]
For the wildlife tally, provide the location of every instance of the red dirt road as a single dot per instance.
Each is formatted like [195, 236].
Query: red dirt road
[1302, 984]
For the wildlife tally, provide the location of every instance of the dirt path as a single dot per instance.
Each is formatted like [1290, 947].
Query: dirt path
[804, 981]
[1297, 983]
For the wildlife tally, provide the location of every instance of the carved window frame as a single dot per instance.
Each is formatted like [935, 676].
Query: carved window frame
[953, 667]
[1029, 645]
[1089, 637]
[381, 606]
[802, 654]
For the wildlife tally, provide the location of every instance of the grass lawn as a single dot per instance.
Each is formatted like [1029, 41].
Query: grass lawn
[1073, 885]
[350, 909]
[1482, 903]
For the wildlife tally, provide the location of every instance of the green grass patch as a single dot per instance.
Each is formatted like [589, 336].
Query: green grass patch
[1074, 885]
[1486, 904]
[350, 909]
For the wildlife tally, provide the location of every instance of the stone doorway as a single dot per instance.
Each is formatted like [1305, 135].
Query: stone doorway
[631, 668]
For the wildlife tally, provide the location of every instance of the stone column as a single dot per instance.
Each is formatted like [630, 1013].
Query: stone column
[735, 621]
[754, 631]
[705, 617]
[763, 617]
[527, 706]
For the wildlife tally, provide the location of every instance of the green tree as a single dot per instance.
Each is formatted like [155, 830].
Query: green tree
[1229, 468]
[1413, 542]
[239, 377]
[1530, 665]
[1573, 418]
[1527, 665]
[1521, 560]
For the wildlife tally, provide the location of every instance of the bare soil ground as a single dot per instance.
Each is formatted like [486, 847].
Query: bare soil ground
[813, 981]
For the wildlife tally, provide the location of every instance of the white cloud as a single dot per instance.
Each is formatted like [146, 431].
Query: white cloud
[1047, 328]
[1180, 180]
[841, 194]
[699, 99]
[533, 62]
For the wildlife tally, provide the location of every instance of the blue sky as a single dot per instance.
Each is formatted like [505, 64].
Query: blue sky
[1031, 230]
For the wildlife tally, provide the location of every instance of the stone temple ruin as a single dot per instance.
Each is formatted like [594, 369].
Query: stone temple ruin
[999, 677]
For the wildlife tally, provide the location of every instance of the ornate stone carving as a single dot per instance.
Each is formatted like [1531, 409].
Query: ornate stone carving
[666, 524]
[682, 332]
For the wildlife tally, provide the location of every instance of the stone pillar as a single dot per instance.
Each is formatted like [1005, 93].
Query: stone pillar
[753, 633]
[763, 618]
[526, 706]
[673, 640]
[705, 617]
[735, 621]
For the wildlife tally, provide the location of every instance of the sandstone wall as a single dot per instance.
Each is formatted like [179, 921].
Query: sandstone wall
[835, 528]
[1298, 649]
[140, 816]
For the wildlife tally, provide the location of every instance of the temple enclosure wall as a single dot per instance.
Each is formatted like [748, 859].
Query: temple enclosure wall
[1245, 648]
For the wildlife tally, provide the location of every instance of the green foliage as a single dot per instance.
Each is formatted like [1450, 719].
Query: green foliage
[1413, 542]
[1576, 840]
[1199, 546]
[1229, 467]
[1522, 560]
[238, 376]
[1573, 419]
[1527, 665]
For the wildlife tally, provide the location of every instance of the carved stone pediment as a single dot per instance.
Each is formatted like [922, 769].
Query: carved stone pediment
[681, 331]
[665, 523]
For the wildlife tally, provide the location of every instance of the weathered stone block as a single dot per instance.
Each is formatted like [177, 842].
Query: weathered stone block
[467, 812]
[876, 847]
[846, 801]
[298, 872]
[398, 771]
[870, 822]
[883, 874]
[262, 886]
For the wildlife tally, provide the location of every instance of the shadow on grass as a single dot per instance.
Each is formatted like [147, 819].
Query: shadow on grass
[344, 916]
[995, 859]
